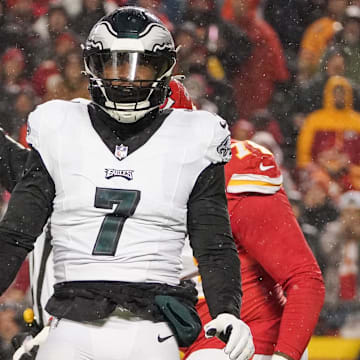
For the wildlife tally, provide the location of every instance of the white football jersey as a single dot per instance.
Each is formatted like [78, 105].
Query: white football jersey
[122, 220]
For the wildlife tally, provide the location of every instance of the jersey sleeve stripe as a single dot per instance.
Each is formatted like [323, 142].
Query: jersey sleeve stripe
[240, 183]
[257, 178]
[262, 189]
[248, 182]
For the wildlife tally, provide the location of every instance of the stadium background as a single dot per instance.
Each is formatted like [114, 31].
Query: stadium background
[265, 66]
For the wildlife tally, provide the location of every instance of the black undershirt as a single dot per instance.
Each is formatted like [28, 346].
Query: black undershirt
[12, 161]
[208, 222]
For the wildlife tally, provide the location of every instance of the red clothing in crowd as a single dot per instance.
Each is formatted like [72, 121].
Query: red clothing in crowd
[39, 7]
[332, 127]
[255, 82]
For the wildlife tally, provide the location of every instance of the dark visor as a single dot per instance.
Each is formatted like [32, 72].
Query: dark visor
[130, 66]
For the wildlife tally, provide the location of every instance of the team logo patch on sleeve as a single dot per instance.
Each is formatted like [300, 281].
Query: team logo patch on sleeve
[126, 174]
[224, 149]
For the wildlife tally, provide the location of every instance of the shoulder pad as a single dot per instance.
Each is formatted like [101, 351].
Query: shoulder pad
[81, 101]
[252, 169]
[47, 118]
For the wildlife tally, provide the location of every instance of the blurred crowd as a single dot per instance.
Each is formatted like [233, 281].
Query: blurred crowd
[285, 74]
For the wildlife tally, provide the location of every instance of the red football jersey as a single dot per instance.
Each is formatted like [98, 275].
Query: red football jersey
[283, 290]
[282, 284]
[275, 257]
[252, 169]
[179, 97]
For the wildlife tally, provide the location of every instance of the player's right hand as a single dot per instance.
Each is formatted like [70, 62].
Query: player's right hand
[240, 344]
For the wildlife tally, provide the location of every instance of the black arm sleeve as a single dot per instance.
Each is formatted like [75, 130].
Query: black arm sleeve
[29, 208]
[212, 242]
[12, 161]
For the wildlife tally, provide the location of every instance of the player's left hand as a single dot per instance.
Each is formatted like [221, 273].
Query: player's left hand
[235, 333]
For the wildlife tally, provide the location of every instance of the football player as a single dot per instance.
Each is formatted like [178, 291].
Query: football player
[12, 161]
[254, 186]
[282, 283]
[123, 183]
[283, 289]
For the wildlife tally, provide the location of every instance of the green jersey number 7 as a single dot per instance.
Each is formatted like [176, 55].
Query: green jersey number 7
[111, 227]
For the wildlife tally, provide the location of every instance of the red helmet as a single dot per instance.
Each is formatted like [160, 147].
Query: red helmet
[179, 97]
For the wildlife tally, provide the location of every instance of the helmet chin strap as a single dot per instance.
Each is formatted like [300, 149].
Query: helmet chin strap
[127, 117]
[124, 116]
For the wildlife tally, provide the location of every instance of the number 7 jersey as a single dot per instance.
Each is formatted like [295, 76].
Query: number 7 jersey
[122, 220]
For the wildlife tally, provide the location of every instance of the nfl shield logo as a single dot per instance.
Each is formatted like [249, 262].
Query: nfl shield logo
[121, 151]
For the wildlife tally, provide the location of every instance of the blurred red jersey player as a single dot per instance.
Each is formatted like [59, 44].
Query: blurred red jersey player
[179, 97]
[281, 280]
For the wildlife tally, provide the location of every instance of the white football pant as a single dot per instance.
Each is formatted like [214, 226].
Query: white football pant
[119, 337]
